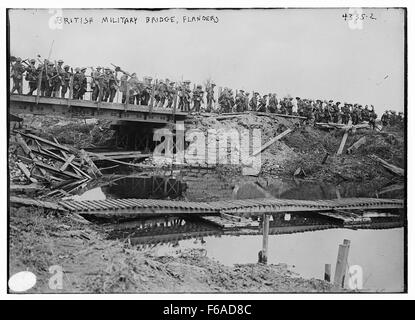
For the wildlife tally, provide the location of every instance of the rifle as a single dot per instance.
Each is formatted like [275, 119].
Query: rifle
[117, 68]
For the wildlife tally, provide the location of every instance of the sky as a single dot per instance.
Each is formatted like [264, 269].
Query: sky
[310, 53]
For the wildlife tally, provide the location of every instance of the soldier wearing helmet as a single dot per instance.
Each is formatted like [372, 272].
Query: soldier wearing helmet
[210, 98]
[66, 80]
[32, 76]
[17, 70]
[197, 98]
[147, 88]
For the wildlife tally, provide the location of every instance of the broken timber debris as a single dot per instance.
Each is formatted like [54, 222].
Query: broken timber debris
[394, 169]
[47, 161]
[272, 141]
[356, 145]
[332, 125]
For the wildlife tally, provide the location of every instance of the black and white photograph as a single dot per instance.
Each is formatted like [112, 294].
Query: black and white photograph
[246, 150]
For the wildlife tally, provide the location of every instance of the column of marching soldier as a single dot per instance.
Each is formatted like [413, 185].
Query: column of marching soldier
[53, 79]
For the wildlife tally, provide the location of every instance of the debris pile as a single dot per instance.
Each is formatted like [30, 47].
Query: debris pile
[38, 160]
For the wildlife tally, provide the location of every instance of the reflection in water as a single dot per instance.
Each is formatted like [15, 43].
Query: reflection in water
[379, 252]
[211, 186]
[161, 230]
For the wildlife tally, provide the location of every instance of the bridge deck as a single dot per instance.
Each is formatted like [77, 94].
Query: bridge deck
[246, 208]
[23, 104]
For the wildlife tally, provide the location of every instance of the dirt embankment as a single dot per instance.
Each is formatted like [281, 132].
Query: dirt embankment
[306, 148]
[92, 264]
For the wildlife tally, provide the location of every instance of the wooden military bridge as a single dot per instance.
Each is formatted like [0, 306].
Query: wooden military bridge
[133, 208]
[70, 108]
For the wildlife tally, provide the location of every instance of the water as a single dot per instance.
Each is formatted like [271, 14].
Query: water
[208, 185]
[380, 253]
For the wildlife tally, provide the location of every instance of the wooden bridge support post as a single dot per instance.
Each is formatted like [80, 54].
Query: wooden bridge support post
[263, 254]
[341, 264]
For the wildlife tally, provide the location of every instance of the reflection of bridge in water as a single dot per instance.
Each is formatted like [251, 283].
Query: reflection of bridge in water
[171, 230]
[162, 230]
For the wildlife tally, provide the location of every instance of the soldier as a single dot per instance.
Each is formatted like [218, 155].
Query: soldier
[96, 82]
[184, 96]
[345, 113]
[31, 76]
[161, 93]
[372, 117]
[123, 87]
[365, 114]
[84, 84]
[133, 89]
[197, 98]
[239, 101]
[56, 80]
[17, 71]
[66, 80]
[210, 99]
[273, 103]
[336, 112]
[393, 118]
[283, 106]
[230, 100]
[253, 103]
[355, 114]
[171, 92]
[49, 75]
[113, 86]
[246, 101]
[40, 74]
[79, 83]
[105, 85]
[146, 91]
[300, 106]
[289, 105]
[262, 104]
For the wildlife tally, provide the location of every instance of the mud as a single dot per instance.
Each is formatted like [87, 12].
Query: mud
[91, 264]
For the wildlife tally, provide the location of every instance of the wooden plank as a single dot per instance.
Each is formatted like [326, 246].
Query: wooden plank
[35, 203]
[272, 141]
[394, 169]
[26, 172]
[342, 143]
[93, 170]
[50, 143]
[28, 152]
[67, 162]
[63, 152]
[356, 145]
[55, 170]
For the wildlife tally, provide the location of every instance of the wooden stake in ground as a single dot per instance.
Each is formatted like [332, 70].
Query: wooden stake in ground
[344, 139]
[263, 254]
[327, 272]
[341, 264]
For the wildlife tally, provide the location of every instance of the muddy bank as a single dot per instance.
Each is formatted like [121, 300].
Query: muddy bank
[314, 150]
[92, 264]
